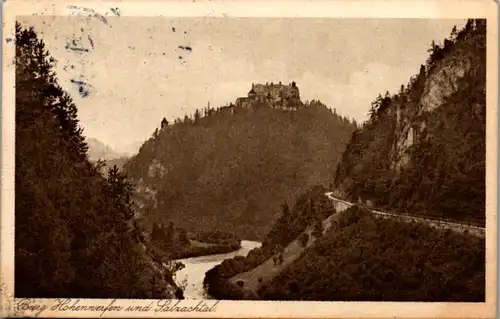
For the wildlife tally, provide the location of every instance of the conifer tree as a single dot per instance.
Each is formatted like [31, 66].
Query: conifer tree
[73, 227]
[197, 116]
[164, 123]
[286, 209]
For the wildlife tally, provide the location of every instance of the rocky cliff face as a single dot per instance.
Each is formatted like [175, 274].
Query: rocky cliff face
[444, 80]
[440, 84]
[423, 145]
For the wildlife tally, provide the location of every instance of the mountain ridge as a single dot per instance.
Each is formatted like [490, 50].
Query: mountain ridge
[99, 150]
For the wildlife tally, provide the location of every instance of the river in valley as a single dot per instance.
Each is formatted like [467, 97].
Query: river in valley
[196, 267]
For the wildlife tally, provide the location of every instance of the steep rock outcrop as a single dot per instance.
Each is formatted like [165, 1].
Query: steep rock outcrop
[441, 82]
[423, 148]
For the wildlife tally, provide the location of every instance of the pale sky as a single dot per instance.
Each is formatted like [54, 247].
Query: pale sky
[135, 76]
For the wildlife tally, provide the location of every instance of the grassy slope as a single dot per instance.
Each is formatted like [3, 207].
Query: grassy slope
[268, 270]
[365, 258]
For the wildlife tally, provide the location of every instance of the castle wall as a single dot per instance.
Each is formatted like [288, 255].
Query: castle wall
[276, 95]
[276, 91]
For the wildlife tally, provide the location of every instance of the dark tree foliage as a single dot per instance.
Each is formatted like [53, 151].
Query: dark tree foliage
[445, 172]
[183, 237]
[163, 237]
[304, 239]
[365, 258]
[216, 281]
[286, 209]
[232, 169]
[311, 208]
[164, 123]
[318, 229]
[74, 231]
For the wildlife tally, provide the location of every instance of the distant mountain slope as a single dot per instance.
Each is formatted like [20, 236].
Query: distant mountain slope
[99, 150]
[129, 149]
[233, 170]
[423, 149]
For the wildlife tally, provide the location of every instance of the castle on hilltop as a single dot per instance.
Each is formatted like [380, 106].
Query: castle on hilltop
[273, 95]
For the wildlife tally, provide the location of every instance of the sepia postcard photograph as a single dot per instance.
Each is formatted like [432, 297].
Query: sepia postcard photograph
[239, 159]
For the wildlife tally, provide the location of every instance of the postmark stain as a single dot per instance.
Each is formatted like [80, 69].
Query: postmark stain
[116, 11]
[82, 11]
[83, 88]
[75, 47]
[91, 42]
[187, 48]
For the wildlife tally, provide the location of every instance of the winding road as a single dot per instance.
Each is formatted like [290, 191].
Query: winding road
[479, 231]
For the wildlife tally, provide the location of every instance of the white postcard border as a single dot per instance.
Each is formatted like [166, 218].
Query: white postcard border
[281, 8]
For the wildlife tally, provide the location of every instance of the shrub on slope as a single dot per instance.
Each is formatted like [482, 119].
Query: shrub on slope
[365, 258]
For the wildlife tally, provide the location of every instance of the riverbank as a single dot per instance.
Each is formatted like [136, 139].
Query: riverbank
[193, 273]
[177, 243]
[217, 280]
[197, 249]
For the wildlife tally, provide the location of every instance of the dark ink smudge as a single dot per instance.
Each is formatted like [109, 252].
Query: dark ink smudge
[77, 46]
[185, 48]
[173, 29]
[82, 87]
[116, 11]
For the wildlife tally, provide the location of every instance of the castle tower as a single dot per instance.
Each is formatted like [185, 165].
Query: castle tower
[252, 93]
[164, 123]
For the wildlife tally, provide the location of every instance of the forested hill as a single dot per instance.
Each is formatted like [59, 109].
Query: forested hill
[74, 231]
[423, 149]
[232, 170]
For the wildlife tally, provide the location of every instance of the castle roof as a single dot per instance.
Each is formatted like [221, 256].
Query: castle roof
[252, 91]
